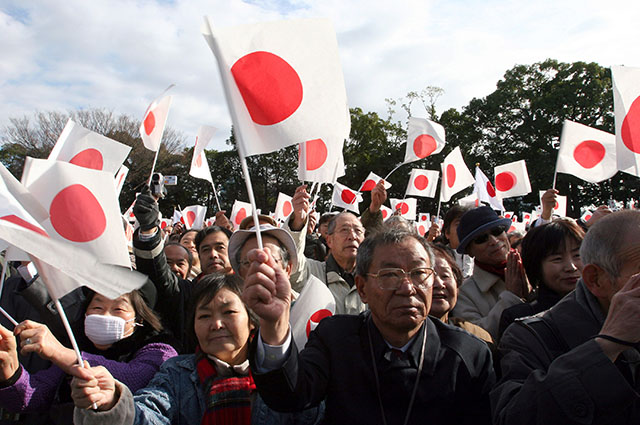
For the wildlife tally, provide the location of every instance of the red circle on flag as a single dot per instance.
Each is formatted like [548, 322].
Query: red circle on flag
[490, 190]
[403, 207]
[316, 318]
[270, 87]
[630, 130]
[287, 208]
[589, 153]
[316, 153]
[149, 123]
[423, 218]
[587, 217]
[76, 214]
[421, 182]
[368, 185]
[424, 145]
[163, 224]
[241, 215]
[556, 206]
[511, 229]
[191, 217]
[23, 223]
[384, 214]
[451, 175]
[348, 196]
[88, 158]
[505, 181]
[422, 230]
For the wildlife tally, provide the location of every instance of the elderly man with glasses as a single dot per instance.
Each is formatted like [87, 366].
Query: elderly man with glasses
[498, 280]
[391, 364]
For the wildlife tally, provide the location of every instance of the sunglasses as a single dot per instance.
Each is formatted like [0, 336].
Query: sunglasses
[495, 232]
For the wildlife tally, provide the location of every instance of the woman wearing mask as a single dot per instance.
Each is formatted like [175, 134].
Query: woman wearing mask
[123, 335]
[212, 386]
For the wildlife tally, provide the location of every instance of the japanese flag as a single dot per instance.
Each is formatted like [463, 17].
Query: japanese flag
[527, 217]
[283, 83]
[626, 106]
[199, 165]
[320, 162]
[128, 214]
[177, 217]
[586, 152]
[344, 197]
[516, 226]
[165, 222]
[371, 181]
[86, 148]
[470, 200]
[118, 181]
[314, 303]
[386, 212]
[423, 183]
[424, 138]
[239, 211]
[485, 192]
[284, 207]
[561, 204]
[423, 224]
[71, 264]
[82, 205]
[586, 216]
[509, 214]
[193, 216]
[407, 207]
[512, 179]
[455, 175]
[155, 118]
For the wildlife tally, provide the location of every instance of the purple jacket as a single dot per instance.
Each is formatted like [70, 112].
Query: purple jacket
[36, 392]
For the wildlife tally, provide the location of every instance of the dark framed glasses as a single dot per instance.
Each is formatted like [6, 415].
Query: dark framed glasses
[495, 232]
[391, 279]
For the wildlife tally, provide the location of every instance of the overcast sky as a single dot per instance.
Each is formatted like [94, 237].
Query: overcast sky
[121, 54]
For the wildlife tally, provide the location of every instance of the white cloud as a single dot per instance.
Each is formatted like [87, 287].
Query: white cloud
[120, 54]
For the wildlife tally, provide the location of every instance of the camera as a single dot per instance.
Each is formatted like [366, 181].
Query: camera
[157, 186]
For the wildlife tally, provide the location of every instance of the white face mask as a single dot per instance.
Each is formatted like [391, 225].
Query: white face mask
[105, 330]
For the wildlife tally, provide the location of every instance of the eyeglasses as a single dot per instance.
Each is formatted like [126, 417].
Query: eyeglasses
[391, 279]
[347, 231]
[245, 263]
[495, 232]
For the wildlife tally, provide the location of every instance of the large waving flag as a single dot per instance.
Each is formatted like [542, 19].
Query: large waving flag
[199, 165]
[512, 179]
[455, 175]
[320, 162]
[422, 183]
[82, 206]
[485, 191]
[586, 152]
[86, 148]
[283, 83]
[424, 138]
[626, 106]
[154, 121]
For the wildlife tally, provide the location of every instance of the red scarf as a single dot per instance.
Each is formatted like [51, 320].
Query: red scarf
[227, 399]
[498, 270]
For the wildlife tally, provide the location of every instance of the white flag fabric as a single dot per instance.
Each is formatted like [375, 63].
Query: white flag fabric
[88, 149]
[509, 214]
[165, 222]
[239, 211]
[320, 162]
[586, 152]
[155, 119]
[118, 181]
[283, 83]
[199, 165]
[455, 175]
[517, 227]
[561, 204]
[82, 205]
[626, 107]
[512, 179]
[423, 183]
[177, 216]
[423, 224]
[485, 191]
[406, 206]
[193, 216]
[424, 138]
[284, 207]
[386, 212]
[371, 181]
[343, 197]
[314, 303]
[469, 200]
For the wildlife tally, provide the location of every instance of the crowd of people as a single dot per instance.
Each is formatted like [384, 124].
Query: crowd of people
[466, 325]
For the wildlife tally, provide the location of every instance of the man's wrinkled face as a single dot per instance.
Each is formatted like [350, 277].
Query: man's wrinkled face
[214, 256]
[346, 238]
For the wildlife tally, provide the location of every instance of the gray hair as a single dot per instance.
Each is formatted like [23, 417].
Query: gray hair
[604, 240]
[331, 227]
[284, 253]
[382, 238]
[400, 223]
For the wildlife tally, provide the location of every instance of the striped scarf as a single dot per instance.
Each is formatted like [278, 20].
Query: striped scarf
[227, 399]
